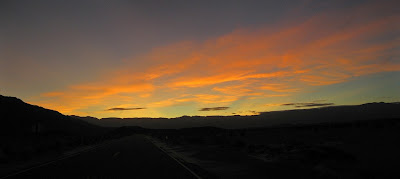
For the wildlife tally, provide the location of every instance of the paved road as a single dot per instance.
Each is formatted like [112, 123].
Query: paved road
[131, 157]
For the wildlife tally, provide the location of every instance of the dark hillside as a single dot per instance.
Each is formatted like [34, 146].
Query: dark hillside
[20, 118]
[28, 132]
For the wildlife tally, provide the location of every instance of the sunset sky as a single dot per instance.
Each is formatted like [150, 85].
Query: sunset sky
[172, 58]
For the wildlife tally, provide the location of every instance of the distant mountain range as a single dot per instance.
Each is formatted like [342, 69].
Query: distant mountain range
[20, 118]
[265, 119]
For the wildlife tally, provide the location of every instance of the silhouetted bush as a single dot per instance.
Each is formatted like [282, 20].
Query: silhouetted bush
[239, 144]
[251, 148]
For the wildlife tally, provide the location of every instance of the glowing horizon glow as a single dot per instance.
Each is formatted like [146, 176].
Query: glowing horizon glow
[250, 70]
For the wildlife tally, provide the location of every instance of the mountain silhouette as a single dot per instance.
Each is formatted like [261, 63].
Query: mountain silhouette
[344, 113]
[20, 118]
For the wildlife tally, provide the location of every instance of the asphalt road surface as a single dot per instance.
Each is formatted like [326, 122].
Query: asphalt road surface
[131, 157]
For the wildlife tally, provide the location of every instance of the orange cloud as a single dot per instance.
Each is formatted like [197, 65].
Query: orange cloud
[273, 61]
[279, 88]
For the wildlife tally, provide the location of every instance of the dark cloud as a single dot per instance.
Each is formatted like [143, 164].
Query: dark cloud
[123, 109]
[214, 109]
[254, 112]
[319, 101]
[300, 105]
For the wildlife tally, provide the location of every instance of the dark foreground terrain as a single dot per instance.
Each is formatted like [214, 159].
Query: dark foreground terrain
[129, 157]
[356, 149]
[337, 142]
[31, 134]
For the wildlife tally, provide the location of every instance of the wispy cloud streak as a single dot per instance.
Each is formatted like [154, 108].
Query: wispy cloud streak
[214, 109]
[123, 109]
[272, 61]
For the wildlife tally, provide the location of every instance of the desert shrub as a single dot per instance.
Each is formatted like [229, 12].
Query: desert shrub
[239, 143]
[3, 156]
[251, 148]
[275, 150]
[221, 140]
[175, 141]
[329, 152]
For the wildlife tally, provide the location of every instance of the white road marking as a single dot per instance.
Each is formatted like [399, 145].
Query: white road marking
[116, 153]
[92, 148]
[184, 166]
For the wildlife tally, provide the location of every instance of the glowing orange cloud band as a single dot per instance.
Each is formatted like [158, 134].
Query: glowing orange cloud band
[271, 61]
